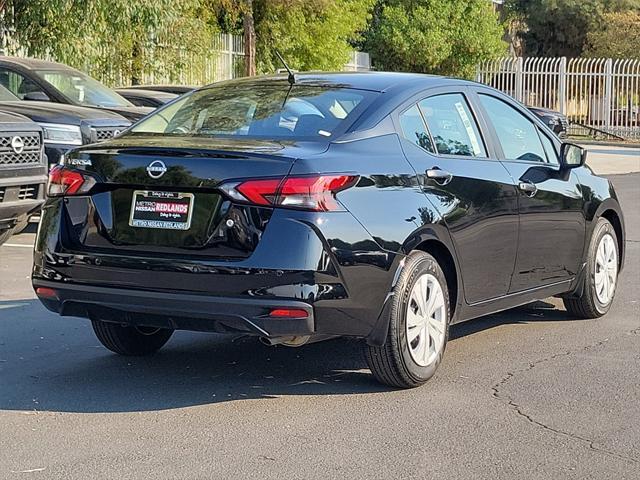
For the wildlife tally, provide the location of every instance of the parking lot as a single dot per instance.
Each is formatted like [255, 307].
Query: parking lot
[529, 393]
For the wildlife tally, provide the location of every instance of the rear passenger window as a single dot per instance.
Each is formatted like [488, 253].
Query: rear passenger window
[414, 129]
[517, 134]
[452, 126]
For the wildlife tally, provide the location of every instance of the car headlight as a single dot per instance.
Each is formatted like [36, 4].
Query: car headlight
[58, 133]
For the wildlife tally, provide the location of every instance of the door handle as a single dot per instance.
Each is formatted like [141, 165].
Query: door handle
[529, 188]
[441, 177]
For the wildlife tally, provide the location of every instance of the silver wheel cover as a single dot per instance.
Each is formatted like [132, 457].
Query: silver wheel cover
[606, 269]
[426, 320]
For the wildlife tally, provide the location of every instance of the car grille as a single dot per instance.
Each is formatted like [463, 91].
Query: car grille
[31, 153]
[27, 192]
[19, 192]
[100, 134]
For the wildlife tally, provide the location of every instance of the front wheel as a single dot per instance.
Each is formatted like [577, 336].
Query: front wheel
[130, 340]
[601, 274]
[418, 326]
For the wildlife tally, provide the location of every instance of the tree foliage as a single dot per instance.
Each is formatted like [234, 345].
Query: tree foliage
[310, 35]
[619, 37]
[434, 36]
[561, 27]
[122, 35]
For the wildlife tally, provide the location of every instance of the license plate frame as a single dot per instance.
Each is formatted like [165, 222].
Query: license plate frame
[174, 217]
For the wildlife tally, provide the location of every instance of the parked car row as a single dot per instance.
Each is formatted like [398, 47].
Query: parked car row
[46, 109]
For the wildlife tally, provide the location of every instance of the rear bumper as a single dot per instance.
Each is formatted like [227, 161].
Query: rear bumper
[177, 311]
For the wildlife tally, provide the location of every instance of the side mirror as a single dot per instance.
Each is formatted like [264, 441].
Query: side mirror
[37, 96]
[572, 156]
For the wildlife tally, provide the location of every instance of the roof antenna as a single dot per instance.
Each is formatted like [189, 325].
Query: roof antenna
[291, 78]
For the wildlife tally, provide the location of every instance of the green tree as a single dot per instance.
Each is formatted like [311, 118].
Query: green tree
[310, 35]
[561, 27]
[434, 36]
[110, 35]
[619, 37]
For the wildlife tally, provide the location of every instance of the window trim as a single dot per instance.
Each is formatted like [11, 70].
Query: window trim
[426, 128]
[502, 157]
[438, 92]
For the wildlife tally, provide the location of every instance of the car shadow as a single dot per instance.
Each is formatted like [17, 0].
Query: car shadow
[49, 363]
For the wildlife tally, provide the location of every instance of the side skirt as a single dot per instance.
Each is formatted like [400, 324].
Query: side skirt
[513, 300]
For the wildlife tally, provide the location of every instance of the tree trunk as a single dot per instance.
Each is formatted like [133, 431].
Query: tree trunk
[249, 40]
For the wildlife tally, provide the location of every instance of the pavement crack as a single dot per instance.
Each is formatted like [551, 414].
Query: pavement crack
[519, 410]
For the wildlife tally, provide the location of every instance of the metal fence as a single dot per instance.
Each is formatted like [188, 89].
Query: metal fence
[600, 93]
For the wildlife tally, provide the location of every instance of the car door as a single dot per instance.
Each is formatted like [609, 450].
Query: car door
[471, 190]
[550, 202]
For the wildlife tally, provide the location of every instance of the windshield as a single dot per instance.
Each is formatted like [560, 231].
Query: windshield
[262, 111]
[6, 95]
[82, 89]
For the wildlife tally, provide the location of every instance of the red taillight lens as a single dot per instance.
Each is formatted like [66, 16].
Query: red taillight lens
[260, 192]
[64, 181]
[288, 313]
[310, 193]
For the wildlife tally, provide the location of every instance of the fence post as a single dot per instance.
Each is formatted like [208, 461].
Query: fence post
[562, 85]
[519, 78]
[608, 91]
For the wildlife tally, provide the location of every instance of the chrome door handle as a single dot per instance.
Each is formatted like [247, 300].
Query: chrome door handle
[528, 188]
[441, 177]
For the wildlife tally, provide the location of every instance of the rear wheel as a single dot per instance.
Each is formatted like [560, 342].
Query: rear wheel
[130, 340]
[418, 327]
[601, 274]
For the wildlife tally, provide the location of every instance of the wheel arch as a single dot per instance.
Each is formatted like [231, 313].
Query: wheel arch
[614, 219]
[610, 210]
[434, 240]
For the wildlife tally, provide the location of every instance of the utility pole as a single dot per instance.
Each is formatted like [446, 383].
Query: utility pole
[249, 40]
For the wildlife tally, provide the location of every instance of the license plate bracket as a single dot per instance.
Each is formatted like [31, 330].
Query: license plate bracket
[161, 210]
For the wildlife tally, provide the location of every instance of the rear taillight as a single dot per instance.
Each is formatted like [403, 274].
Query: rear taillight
[317, 193]
[64, 181]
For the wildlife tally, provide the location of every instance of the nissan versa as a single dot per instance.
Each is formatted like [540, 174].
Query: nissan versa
[373, 205]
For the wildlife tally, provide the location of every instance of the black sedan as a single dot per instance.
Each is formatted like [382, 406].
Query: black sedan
[175, 89]
[146, 98]
[32, 79]
[556, 121]
[375, 205]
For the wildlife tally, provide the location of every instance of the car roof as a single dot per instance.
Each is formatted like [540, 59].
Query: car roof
[34, 63]
[374, 81]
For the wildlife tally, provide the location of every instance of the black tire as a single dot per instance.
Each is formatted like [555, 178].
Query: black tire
[5, 235]
[129, 340]
[392, 364]
[588, 305]
[23, 222]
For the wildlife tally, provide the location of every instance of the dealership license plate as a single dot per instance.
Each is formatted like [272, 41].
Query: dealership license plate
[167, 210]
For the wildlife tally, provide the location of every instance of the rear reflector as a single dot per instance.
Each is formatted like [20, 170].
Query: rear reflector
[288, 313]
[317, 193]
[46, 292]
[64, 181]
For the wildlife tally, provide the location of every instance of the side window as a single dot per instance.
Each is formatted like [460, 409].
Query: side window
[516, 133]
[550, 150]
[414, 129]
[17, 84]
[452, 125]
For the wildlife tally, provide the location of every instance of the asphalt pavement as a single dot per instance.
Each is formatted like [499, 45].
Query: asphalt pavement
[525, 394]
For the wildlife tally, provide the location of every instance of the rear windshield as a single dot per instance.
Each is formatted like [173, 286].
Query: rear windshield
[263, 111]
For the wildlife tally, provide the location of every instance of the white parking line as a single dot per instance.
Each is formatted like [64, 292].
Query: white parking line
[16, 245]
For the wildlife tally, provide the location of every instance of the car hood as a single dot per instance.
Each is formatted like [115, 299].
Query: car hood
[49, 112]
[130, 113]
